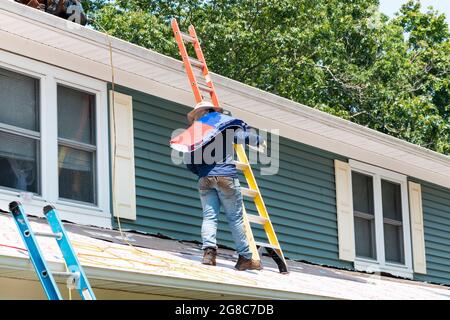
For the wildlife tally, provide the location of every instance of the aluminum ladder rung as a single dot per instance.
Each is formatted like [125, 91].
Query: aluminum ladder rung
[57, 236]
[241, 165]
[257, 219]
[196, 63]
[187, 37]
[66, 274]
[198, 75]
[200, 83]
[249, 192]
[205, 88]
[267, 245]
[72, 279]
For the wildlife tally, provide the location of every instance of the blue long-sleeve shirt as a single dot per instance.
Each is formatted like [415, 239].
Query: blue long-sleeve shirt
[216, 157]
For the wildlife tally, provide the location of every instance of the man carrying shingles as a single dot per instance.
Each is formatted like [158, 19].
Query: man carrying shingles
[218, 185]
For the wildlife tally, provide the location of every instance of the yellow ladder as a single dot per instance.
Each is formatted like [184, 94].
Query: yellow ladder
[273, 246]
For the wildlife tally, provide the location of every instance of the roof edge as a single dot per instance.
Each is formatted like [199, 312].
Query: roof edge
[24, 264]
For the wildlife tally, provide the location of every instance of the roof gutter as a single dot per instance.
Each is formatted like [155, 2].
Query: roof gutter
[144, 279]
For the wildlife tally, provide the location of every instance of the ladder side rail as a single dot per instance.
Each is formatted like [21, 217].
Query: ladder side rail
[249, 234]
[73, 264]
[43, 272]
[187, 63]
[242, 158]
[259, 202]
[251, 180]
[201, 58]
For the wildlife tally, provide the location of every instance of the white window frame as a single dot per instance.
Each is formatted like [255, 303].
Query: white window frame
[380, 264]
[98, 214]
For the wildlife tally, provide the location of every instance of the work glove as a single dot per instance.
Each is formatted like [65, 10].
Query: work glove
[261, 148]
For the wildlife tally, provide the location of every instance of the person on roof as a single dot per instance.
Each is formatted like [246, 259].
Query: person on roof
[67, 9]
[218, 185]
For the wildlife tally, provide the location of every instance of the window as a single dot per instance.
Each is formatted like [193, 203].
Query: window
[76, 144]
[392, 221]
[54, 140]
[380, 213]
[363, 211]
[19, 131]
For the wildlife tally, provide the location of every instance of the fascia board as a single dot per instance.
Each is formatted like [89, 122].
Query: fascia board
[23, 264]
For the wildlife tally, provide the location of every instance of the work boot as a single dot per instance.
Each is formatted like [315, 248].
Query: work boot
[247, 264]
[209, 256]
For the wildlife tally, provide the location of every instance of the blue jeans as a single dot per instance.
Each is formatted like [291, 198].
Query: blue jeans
[215, 191]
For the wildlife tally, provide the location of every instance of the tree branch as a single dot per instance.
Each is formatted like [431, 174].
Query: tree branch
[359, 88]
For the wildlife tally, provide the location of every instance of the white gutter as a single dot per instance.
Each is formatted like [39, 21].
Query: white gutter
[24, 264]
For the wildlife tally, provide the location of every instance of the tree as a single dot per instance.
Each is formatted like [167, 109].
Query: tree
[342, 57]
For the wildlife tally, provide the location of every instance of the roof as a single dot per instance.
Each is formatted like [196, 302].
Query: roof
[47, 38]
[169, 267]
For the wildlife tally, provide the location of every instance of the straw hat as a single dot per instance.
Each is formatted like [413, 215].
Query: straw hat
[201, 106]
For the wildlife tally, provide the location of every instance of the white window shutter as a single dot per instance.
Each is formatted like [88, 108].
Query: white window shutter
[344, 204]
[122, 148]
[417, 229]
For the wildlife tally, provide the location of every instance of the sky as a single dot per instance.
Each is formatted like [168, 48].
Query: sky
[389, 7]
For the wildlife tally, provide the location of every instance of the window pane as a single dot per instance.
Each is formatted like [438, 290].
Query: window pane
[365, 238]
[18, 162]
[19, 100]
[76, 115]
[392, 214]
[393, 243]
[362, 186]
[392, 204]
[76, 174]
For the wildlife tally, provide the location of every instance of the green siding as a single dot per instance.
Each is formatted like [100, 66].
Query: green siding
[436, 219]
[300, 198]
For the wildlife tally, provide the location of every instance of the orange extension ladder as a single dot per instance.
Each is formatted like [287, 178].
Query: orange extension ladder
[273, 247]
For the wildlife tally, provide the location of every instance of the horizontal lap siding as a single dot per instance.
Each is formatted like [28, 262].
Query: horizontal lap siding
[436, 218]
[167, 197]
[300, 198]
[301, 201]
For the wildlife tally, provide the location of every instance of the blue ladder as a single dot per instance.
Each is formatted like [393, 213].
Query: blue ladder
[76, 276]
